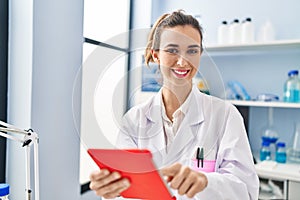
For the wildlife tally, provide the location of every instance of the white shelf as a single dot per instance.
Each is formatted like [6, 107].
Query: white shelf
[255, 46]
[265, 104]
[277, 171]
[142, 96]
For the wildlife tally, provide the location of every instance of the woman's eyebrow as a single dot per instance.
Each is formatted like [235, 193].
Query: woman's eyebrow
[176, 45]
[194, 46]
[171, 45]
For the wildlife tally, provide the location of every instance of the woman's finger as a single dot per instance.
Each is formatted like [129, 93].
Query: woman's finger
[187, 183]
[101, 181]
[117, 188]
[180, 177]
[199, 183]
[171, 170]
[98, 175]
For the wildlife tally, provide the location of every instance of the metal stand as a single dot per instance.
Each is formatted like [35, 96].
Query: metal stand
[30, 137]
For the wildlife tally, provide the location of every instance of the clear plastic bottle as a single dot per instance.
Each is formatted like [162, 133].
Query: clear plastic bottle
[266, 32]
[235, 32]
[265, 152]
[294, 152]
[280, 155]
[292, 87]
[4, 191]
[269, 133]
[247, 31]
[223, 33]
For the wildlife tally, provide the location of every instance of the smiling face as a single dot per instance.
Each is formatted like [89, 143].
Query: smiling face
[178, 55]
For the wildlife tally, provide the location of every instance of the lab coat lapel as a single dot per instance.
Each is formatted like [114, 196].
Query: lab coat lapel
[183, 138]
[155, 134]
[188, 130]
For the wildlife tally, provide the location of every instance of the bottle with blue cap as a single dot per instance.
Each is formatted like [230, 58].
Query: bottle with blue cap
[292, 87]
[280, 155]
[265, 152]
[4, 191]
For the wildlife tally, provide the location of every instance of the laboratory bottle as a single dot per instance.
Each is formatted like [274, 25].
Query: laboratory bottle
[294, 152]
[265, 152]
[266, 32]
[235, 32]
[280, 155]
[4, 191]
[292, 87]
[223, 33]
[247, 31]
[270, 134]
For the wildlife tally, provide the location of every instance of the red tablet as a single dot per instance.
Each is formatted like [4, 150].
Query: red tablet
[138, 167]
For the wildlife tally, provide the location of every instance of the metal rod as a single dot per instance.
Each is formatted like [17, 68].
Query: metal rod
[15, 129]
[36, 168]
[27, 175]
[11, 137]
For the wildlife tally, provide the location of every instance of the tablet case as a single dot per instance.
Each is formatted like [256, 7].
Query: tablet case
[138, 167]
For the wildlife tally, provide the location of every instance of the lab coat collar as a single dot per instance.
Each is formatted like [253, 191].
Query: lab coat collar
[154, 112]
[195, 111]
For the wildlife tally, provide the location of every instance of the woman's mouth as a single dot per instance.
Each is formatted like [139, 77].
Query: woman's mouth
[180, 73]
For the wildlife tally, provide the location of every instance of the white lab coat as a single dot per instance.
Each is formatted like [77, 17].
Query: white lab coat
[211, 123]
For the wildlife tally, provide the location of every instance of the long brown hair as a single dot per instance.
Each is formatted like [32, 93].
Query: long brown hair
[176, 18]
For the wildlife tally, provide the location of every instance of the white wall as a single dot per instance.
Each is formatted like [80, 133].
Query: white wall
[44, 93]
[19, 88]
[57, 52]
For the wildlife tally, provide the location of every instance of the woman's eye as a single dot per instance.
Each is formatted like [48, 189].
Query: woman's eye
[192, 51]
[172, 51]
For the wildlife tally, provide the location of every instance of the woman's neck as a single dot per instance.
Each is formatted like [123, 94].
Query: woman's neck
[174, 97]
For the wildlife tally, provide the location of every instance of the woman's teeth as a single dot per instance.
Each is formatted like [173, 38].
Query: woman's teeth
[181, 72]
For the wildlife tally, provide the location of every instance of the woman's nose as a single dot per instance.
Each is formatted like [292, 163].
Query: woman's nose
[181, 61]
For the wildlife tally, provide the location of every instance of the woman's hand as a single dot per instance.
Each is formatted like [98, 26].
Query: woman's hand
[108, 185]
[184, 179]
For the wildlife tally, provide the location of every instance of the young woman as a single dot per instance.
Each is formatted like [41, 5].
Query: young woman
[179, 120]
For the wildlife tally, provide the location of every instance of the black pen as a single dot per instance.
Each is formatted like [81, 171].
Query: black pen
[200, 156]
[197, 156]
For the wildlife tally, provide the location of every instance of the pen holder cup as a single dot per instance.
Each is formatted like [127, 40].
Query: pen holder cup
[208, 165]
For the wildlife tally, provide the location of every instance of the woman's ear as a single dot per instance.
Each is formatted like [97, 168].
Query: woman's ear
[155, 56]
